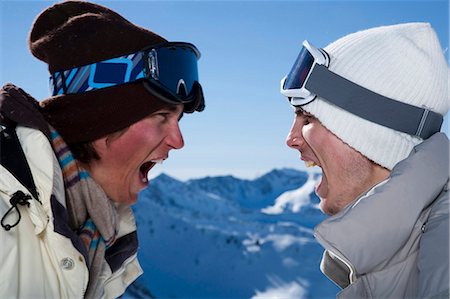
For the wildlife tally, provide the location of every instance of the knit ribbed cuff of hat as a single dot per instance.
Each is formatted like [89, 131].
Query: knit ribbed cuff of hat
[382, 145]
[95, 114]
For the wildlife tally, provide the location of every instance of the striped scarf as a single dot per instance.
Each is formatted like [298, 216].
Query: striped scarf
[91, 213]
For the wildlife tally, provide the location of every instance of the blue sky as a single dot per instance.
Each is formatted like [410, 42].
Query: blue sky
[247, 47]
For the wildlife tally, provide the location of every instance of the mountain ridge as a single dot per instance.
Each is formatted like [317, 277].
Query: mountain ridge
[225, 237]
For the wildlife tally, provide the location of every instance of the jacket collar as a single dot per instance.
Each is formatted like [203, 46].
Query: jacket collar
[18, 107]
[388, 211]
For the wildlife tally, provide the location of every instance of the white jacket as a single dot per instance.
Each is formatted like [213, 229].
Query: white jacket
[36, 261]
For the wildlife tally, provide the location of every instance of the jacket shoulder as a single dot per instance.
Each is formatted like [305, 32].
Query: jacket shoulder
[18, 107]
[433, 258]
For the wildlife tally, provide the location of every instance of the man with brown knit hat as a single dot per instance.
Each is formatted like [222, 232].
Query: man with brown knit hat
[71, 165]
[368, 111]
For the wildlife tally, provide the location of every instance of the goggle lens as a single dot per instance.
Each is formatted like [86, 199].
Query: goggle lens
[177, 69]
[300, 70]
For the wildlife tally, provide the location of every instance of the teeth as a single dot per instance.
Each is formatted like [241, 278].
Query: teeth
[310, 163]
[158, 161]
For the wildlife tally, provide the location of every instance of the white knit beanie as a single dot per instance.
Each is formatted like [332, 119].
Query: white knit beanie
[403, 62]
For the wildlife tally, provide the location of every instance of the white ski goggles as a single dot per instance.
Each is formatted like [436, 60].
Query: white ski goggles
[310, 77]
[293, 85]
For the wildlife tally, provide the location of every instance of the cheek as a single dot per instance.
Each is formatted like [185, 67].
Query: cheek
[115, 160]
[329, 150]
[315, 137]
[129, 147]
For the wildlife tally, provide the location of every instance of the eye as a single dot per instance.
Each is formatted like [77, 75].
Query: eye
[168, 115]
[307, 118]
[162, 116]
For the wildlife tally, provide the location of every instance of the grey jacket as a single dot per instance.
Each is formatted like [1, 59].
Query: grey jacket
[393, 242]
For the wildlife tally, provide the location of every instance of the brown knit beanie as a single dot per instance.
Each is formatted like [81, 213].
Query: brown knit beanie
[76, 33]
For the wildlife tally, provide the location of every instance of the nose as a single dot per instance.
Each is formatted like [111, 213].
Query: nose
[174, 138]
[295, 137]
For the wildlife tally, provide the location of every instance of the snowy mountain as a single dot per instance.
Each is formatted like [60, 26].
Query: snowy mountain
[225, 237]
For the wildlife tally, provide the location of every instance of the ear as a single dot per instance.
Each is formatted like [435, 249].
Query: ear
[100, 145]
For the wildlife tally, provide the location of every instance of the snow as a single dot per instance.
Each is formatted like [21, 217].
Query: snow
[282, 290]
[293, 200]
[224, 237]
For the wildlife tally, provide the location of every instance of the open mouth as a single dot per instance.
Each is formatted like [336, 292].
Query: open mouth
[310, 164]
[145, 169]
[321, 187]
[322, 184]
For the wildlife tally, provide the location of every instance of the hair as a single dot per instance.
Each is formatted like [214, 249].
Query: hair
[85, 152]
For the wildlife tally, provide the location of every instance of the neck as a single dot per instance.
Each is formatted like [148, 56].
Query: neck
[378, 175]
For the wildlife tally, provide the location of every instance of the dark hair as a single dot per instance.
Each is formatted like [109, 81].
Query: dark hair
[83, 151]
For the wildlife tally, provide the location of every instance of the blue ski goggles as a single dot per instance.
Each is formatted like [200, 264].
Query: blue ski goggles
[310, 77]
[169, 71]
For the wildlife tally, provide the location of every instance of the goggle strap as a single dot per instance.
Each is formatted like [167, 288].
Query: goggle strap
[63, 80]
[372, 106]
[53, 84]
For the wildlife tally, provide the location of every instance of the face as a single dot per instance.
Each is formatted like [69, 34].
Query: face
[127, 158]
[346, 173]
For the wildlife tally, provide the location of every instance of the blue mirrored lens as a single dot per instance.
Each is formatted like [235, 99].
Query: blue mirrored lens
[297, 76]
[177, 69]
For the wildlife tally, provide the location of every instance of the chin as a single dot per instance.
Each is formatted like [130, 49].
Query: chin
[131, 200]
[326, 208]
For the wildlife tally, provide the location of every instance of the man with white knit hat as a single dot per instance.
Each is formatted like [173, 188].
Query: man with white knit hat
[368, 111]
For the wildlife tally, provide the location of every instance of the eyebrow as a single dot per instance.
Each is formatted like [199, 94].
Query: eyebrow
[171, 108]
[299, 110]
[174, 108]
